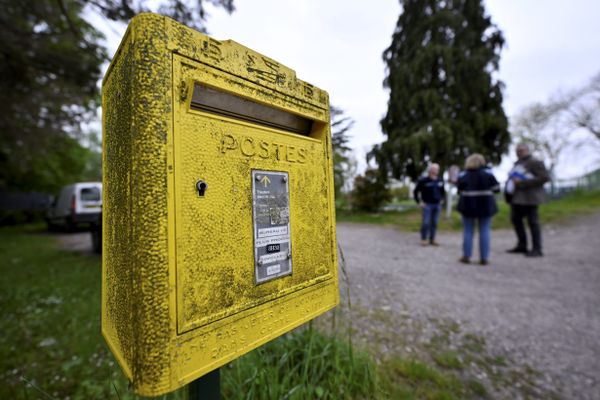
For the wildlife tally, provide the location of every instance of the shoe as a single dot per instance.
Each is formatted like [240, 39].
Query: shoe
[534, 253]
[517, 250]
[424, 242]
[433, 243]
[464, 260]
[483, 262]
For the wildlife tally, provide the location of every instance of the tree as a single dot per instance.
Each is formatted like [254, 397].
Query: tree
[343, 162]
[583, 105]
[370, 192]
[552, 127]
[50, 63]
[444, 102]
[188, 12]
[544, 128]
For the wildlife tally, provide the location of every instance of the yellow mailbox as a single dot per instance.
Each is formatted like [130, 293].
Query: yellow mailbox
[218, 212]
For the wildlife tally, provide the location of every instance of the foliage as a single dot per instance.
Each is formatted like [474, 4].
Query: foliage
[401, 193]
[61, 161]
[563, 210]
[302, 365]
[370, 192]
[344, 165]
[188, 12]
[444, 101]
[50, 65]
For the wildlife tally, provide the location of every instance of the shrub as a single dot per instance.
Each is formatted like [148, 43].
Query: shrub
[370, 192]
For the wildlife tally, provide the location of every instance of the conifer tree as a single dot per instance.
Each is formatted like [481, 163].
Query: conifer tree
[445, 102]
[342, 153]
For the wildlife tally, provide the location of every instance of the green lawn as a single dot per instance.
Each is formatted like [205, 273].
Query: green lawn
[51, 346]
[560, 211]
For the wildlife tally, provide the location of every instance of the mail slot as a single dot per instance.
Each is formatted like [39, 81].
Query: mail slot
[218, 212]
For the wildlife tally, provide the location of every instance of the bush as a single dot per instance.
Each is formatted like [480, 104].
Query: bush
[370, 192]
[401, 193]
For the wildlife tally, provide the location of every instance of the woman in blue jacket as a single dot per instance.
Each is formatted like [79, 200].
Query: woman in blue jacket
[476, 186]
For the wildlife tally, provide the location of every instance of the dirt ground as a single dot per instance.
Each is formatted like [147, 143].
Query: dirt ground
[542, 314]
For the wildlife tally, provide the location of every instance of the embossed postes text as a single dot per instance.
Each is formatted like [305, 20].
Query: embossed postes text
[265, 149]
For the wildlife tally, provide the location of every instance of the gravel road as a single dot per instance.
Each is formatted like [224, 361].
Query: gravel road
[541, 312]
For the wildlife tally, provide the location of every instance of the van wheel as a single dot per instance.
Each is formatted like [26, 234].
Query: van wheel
[96, 240]
[51, 227]
[70, 225]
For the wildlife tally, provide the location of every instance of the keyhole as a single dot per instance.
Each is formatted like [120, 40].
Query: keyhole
[201, 186]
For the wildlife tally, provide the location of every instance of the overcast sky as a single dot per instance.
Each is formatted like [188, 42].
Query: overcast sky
[336, 45]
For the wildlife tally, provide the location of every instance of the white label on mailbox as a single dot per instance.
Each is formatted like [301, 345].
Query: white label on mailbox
[273, 269]
[271, 258]
[266, 232]
[271, 240]
[271, 224]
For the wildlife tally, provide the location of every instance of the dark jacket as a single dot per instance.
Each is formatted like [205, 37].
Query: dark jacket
[530, 191]
[476, 188]
[430, 191]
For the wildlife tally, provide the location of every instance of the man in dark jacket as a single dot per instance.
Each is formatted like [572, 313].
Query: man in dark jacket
[429, 194]
[526, 182]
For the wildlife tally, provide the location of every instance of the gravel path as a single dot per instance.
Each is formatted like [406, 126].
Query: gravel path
[542, 312]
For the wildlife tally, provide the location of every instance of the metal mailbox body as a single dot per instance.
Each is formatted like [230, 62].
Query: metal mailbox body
[218, 209]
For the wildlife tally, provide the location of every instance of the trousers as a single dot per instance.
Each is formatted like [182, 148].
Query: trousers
[519, 212]
[485, 224]
[431, 215]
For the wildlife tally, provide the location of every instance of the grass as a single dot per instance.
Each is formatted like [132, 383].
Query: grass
[412, 379]
[556, 211]
[303, 365]
[51, 346]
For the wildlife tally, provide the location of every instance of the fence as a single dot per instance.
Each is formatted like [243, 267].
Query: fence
[589, 181]
[18, 207]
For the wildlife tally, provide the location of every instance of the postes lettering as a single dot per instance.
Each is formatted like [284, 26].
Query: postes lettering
[252, 147]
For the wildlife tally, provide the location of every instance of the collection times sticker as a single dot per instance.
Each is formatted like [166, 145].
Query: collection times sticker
[271, 224]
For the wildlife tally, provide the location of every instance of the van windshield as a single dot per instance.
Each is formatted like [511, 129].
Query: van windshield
[90, 194]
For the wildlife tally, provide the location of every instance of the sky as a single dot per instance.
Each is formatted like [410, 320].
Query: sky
[336, 45]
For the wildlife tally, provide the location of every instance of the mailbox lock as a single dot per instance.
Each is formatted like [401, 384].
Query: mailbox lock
[201, 186]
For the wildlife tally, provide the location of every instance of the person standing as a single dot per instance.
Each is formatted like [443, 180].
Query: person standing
[477, 205]
[525, 192]
[429, 194]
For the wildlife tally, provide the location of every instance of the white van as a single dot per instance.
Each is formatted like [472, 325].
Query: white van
[76, 204]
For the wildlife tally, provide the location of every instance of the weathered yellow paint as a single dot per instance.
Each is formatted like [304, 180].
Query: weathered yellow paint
[179, 297]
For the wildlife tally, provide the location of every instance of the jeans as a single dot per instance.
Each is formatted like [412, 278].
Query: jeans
[485, 224]
[431, 214]
[517, 213]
